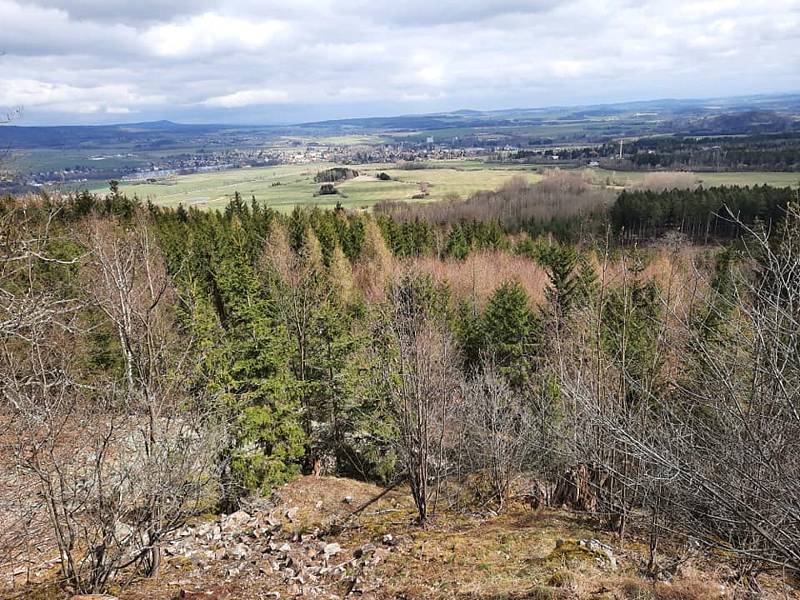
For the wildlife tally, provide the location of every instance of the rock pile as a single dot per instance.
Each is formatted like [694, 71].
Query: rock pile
[241, 545]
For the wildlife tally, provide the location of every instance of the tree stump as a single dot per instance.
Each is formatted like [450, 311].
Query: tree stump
[580, 487]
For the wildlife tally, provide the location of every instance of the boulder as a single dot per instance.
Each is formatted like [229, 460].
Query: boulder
[235, 521]
[239, 551]
[602, 554]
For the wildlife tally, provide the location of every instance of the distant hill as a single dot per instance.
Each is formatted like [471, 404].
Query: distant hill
[87, 136]
[751, 114]
[750, 121]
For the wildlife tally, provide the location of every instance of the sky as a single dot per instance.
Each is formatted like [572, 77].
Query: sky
[270, 61]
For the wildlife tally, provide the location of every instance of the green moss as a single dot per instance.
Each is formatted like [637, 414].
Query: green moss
[562, 579]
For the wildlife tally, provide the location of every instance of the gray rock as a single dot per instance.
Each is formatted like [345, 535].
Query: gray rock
[235, 521]
[604, 553]
[365, 550]
[123, 532]
[239, 551]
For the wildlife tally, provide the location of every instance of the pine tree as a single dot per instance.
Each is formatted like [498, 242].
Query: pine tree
[572, 278]
[630, 333]
[340, 277]
[375, 261]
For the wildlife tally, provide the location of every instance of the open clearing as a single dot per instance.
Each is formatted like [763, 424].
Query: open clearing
[285, 186]
[774, 178]
[519, 554]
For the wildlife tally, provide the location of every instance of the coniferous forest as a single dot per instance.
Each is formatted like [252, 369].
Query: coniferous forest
[634, 358]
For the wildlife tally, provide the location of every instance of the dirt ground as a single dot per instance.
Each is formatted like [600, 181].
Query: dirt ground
[521, 553]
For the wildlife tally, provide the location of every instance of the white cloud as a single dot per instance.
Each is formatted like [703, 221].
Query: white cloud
[248, 98]
[211, 33]
[569, 68]
[110, 99]
[216, 59]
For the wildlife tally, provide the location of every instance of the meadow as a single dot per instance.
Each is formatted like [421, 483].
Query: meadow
[285, 186]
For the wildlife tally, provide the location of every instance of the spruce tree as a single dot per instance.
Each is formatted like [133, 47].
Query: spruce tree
[258, 389]
[511, 331]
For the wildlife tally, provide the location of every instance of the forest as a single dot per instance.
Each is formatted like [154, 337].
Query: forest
[636, 356]
[757, 152]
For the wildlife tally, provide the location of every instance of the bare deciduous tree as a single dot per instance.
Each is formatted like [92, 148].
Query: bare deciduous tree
[499, 429]
[422, 383]
[118, 462]
[715, 452]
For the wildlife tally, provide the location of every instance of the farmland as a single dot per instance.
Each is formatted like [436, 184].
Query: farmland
[285, 186]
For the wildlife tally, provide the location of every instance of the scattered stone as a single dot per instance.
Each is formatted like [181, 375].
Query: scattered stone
[348, 500]
[240, 551]
[235, 521]
[365, 550]
[379, 555]
[252, 544]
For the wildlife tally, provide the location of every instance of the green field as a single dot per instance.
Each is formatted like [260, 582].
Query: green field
[286, 186]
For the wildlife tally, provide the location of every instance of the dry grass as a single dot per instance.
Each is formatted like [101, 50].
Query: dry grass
[667, 180]
[688, 589]
[459, 555]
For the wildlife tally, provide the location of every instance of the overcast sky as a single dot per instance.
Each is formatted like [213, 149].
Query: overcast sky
[270, 61]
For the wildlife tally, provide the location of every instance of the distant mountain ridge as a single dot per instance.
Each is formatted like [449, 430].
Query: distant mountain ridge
[711, 115]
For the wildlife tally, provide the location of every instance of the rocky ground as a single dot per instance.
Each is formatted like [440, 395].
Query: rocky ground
[306, 542]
